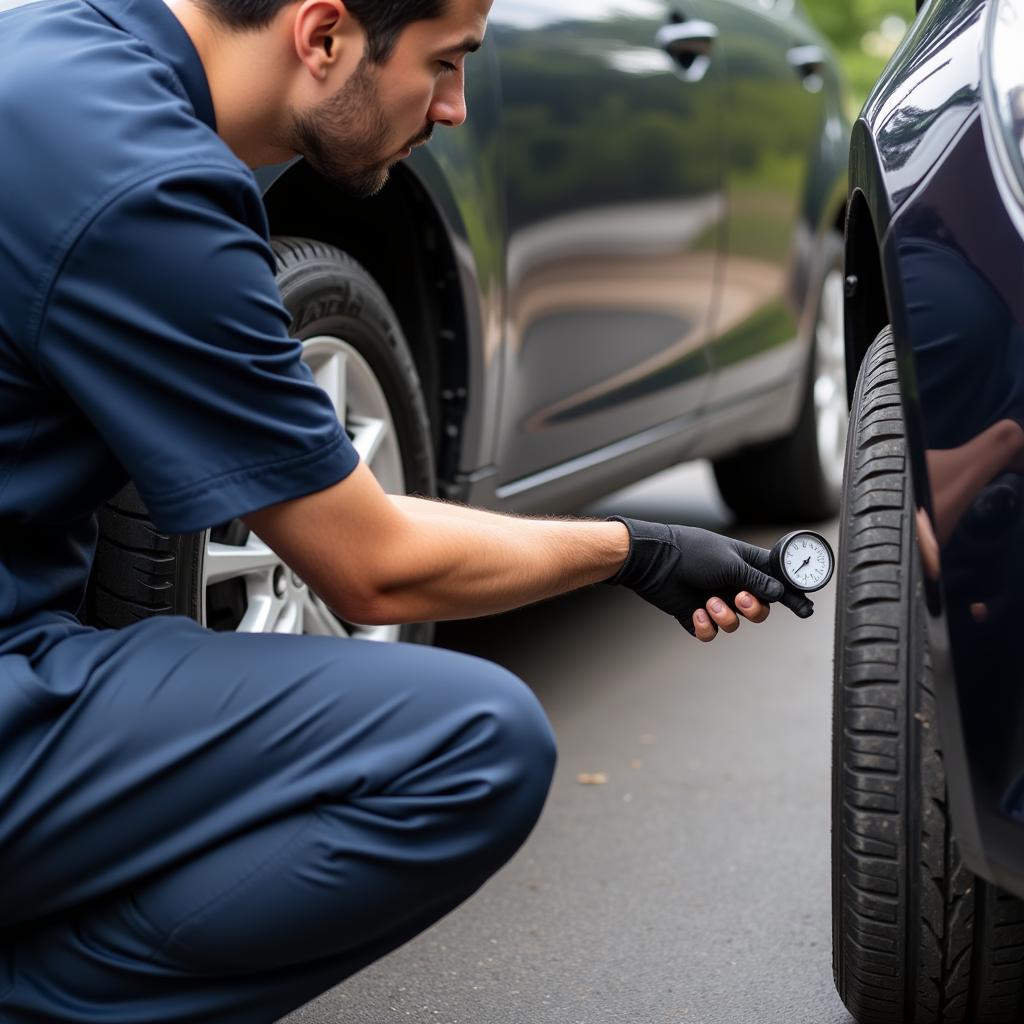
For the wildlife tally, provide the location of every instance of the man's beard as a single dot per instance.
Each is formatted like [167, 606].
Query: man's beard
[343, 137]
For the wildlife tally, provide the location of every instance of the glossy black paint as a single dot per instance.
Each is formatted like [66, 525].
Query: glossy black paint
[614, 209]
[950, 258]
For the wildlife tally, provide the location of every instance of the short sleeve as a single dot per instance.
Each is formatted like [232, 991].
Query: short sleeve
[166, 328]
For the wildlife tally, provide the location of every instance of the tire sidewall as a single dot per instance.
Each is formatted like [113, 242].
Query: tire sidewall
[329, 293]
[339, 299]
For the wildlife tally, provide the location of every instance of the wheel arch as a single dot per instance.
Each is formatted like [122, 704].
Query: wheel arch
[874, 300]
[402, 239]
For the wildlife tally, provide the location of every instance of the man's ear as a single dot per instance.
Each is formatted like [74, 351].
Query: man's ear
[325, 34]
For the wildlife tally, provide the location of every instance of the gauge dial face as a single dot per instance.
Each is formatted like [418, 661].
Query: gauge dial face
[807, 561]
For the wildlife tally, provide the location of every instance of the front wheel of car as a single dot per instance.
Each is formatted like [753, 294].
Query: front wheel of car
[798, 477]
[227, 578]
[917, 938]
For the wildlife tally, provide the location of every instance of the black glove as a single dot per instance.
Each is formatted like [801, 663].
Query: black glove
[680, 568]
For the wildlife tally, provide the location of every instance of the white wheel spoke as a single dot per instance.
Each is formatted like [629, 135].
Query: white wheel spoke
[384, 633]
[291, 618]
[261, 616]
[367, 436]
[318, 618]
[332, 376]
[226, 561]
[830, 383]
[825, 391]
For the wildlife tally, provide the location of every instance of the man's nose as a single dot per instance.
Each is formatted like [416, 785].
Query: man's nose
[449, 105]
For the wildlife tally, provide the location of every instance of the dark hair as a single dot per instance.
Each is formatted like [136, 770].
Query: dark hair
[381, 20]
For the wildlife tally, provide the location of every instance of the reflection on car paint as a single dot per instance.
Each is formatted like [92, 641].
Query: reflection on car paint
[960, 313]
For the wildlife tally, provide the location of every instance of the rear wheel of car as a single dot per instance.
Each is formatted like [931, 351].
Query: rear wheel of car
[227, 578]
[799, 477]
[917, 938]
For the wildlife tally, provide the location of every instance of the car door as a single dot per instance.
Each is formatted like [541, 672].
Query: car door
[774, 103]
[614, 213]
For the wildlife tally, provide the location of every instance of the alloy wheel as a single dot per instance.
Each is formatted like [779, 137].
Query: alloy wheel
[831, 416]
[245, 585]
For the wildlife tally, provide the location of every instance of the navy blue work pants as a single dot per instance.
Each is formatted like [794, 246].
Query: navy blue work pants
[200, 826]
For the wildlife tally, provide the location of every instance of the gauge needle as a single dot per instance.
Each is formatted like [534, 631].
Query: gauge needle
[804, 562]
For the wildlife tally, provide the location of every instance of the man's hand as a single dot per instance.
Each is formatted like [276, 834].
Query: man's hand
[702, 578]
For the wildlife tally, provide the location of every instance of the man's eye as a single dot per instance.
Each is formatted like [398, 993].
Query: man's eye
[447, 68]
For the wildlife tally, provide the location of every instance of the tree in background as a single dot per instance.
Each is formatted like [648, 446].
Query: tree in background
[864, 34]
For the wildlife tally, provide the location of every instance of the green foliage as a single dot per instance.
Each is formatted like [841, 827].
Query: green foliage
[847, 24]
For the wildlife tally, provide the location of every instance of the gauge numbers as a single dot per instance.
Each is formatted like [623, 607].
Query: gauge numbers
[806, 561]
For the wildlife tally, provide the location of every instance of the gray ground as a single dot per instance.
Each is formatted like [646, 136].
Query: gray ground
[691, 887]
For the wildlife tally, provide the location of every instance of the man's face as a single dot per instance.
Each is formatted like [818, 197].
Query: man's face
[383, 110]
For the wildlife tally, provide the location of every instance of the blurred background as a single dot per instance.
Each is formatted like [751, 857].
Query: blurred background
[865, 33]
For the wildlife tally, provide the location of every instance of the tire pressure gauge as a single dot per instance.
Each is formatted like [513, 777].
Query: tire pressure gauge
[803, 561]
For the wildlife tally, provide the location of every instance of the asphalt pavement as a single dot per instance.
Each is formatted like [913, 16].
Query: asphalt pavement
[688, 880]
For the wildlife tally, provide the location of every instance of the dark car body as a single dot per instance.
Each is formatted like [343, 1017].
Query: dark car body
[613, 265]
[935, 247]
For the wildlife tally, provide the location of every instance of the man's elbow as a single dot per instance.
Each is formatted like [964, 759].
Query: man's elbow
[367, 606]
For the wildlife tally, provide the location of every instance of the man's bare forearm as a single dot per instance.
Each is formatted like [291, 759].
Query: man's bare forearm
[380, 559]
[410, 505]
[460, 562]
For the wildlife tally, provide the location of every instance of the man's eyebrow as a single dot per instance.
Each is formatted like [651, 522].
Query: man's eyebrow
[468, 45]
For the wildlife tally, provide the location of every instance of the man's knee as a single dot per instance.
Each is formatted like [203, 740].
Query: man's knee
[486, 755]
[524, 747]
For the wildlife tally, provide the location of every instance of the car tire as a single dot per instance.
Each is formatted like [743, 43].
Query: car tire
[799, 477]
[917, 938]
[345, 323]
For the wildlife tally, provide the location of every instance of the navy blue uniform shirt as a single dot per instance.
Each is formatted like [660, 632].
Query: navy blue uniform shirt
[142, 334]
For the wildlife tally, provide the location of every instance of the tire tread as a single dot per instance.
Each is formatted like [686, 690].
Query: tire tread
[918, 939]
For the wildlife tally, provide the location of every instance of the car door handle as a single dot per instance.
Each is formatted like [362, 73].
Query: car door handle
[809, 62]
[689, 44]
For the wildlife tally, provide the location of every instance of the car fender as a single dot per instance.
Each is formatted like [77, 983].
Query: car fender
[435, 204]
